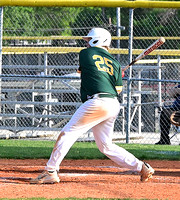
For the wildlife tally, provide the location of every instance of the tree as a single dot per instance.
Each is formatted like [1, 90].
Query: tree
[18, 21]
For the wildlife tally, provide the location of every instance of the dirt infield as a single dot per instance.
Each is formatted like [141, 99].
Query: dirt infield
[89, 178]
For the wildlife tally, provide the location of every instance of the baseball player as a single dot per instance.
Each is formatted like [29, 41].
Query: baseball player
[101, 82]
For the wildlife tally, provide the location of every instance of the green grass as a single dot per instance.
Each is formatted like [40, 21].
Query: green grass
[24, 149]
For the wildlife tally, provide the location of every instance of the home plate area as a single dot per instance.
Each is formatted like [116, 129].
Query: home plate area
[89, 178]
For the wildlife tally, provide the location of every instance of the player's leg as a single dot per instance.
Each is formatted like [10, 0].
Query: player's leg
[165, 124]
[88, 115]
[103, 133]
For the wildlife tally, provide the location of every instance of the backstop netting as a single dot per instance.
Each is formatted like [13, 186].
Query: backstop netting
[39, 84]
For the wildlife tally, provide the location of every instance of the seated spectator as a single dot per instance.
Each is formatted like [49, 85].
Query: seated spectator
[165, 122]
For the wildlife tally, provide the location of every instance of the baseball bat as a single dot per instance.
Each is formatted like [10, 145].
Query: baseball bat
[147, 51]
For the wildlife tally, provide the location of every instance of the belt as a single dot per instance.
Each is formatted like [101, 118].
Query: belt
[101, 95]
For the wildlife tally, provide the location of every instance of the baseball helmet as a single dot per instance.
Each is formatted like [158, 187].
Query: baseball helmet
[99, 37]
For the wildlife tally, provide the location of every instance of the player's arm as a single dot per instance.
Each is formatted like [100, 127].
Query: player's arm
[81, 56]
[119, 84]
[78, 71]
[119, 89]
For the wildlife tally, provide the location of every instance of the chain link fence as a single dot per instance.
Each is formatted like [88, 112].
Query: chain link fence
[39, 83]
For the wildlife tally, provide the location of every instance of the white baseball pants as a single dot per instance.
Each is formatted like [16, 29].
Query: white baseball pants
[98, 114]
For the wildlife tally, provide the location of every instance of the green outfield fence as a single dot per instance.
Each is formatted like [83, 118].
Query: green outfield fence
[39, 46]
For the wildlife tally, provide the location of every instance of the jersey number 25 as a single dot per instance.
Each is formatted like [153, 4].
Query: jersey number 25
[103, 64]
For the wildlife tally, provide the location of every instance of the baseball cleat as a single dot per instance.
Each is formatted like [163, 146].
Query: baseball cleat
[46, 177]
[146, 172]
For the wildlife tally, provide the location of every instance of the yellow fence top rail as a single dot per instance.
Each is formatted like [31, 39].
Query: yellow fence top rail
[92, 3]
[80, 38]
[52, 50]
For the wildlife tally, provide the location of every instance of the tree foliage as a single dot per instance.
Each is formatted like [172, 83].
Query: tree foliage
[39, 21]
[18, 21]
[44, 21]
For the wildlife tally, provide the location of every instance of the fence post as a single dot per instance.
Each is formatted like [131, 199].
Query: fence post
[1, 35]
[159, 84]
[46, 83]
[128, 115]
[118, 17]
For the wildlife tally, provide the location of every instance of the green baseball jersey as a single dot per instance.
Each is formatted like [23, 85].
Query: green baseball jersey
[100, 72]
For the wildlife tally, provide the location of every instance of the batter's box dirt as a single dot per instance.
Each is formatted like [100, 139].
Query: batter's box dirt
[89, 178]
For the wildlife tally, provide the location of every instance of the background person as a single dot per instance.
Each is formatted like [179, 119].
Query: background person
[165, 122]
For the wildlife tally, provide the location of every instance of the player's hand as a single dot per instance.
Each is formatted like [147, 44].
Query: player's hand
[123, 74]
[175, 118]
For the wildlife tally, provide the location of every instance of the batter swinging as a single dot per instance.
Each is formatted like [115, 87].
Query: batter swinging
[101, 82]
